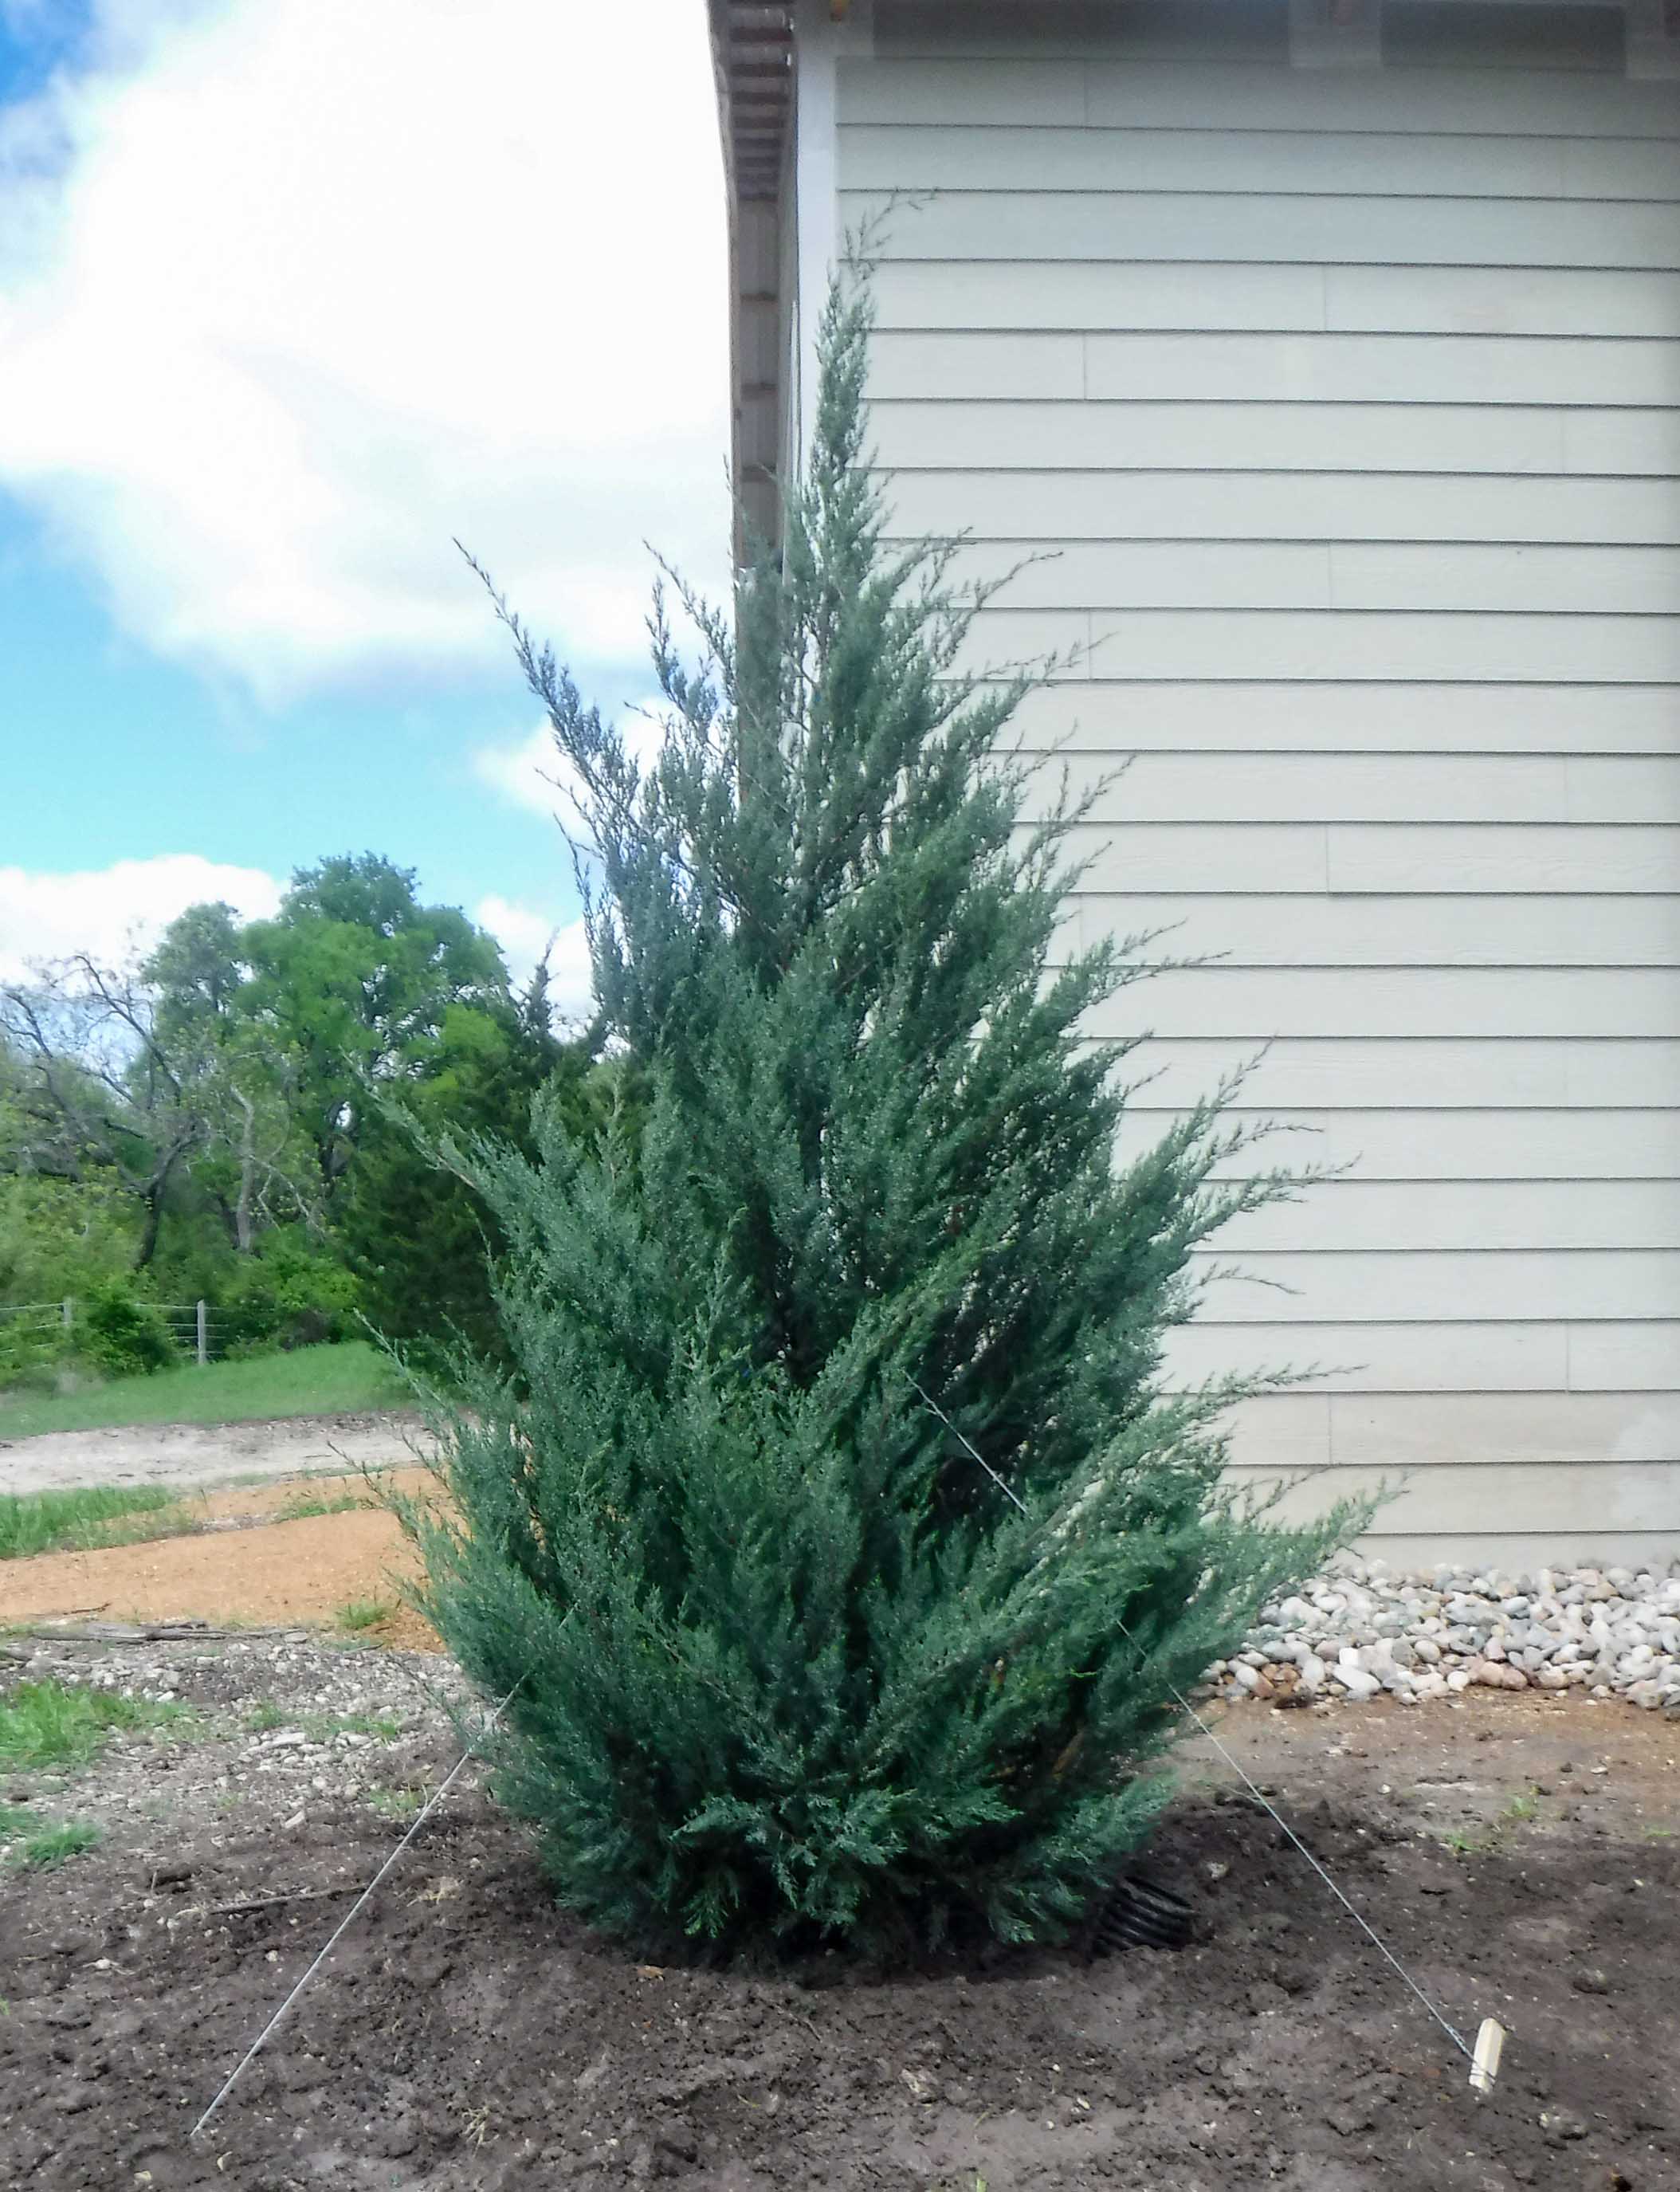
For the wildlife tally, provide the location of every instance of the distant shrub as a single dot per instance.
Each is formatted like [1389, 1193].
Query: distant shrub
[123, 1335]
[31, 1352]
[290, 1294]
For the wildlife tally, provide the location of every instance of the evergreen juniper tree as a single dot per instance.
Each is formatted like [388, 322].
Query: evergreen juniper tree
[785, 1661]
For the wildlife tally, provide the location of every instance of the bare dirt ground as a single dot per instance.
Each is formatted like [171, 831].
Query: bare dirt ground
[199, 1454]
[1520, 1854]
[252, 1559]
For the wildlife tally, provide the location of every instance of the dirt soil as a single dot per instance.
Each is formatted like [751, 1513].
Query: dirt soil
[246, 1562]
[1519, 1854]
[199, 1454]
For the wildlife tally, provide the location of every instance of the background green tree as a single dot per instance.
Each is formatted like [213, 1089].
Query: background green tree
[241, 1115]
[782, 1657]
[353, 979]
[415, 1230]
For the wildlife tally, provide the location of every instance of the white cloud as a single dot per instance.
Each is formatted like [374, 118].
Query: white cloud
[120, 911]
[289, 296]
[532, 772]
[524, 934]
[525, 771]
[111, 911]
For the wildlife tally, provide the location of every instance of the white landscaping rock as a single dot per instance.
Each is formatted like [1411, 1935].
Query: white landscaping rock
[1360, 1629]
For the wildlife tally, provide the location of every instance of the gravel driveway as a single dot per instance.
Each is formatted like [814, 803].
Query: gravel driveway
[205, 1453]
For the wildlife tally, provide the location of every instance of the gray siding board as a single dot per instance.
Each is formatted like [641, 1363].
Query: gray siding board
[1395, 368]
[1336, 367]
[1194, 715]
[1328, 1071]
[1427, 1430]
[1142, 95]
[1392, 1286]
[1288, 929]
[1350, 643]
[1370, 442]
[1455, 521]
[1467, 1216]
[1256, 1004]
[1375, 1142]
[1166, 296]
[1567, 1500]
[1216, 228]
[1146, 570]
[1312, 162]
[1450, 1357]
[1163, 786]
[1376, 859]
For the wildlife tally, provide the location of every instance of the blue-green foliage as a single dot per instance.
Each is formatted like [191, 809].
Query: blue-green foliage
[786, 1659]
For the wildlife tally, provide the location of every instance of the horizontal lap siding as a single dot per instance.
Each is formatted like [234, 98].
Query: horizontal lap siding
[1471, 527]
[1337, 367]
[1153, 786]
[1088, 443]
[1255, 1003]
[1399, 1143]
[1133, 297]
[1349, 645]
[1330, 422]
[1364, 575]
[1195, 714]
[1378, 1362]
[1378, 859]
[1435, 1076]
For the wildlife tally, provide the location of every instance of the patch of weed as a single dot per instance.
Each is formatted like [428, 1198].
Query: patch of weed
[303, 1506]
[360, 1614]
[58, 1724]
[263, 1715]
[1481, 1842]
[55, 1846]
[1463, 1841]
[395, 1803]
[78, 1521]
[322, 1727]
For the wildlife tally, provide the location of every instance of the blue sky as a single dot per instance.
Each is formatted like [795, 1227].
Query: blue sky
[287, 298]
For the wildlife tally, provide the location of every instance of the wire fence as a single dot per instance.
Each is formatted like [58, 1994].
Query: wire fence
[200, 1331]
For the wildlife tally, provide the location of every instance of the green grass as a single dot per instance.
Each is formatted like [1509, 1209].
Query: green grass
[303, 1505]
[322, 1727]
[364, 1613]
[395, 1803]
[72, 1521]
[311, 1381]
[1483, 1841]
[1467, 1841]
[55, 1846]
[55, 1724]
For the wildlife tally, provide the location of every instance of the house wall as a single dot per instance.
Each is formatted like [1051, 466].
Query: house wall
[1338, 386]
